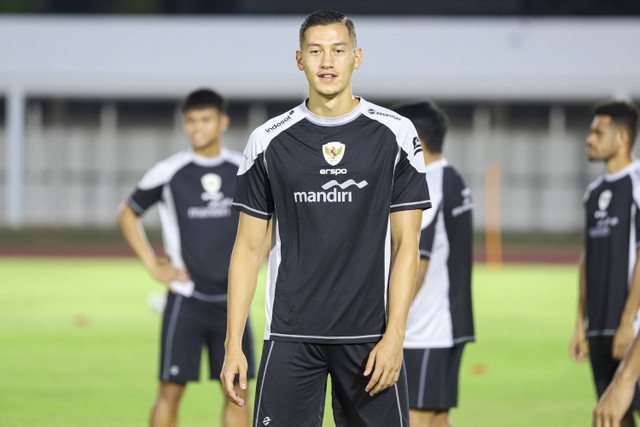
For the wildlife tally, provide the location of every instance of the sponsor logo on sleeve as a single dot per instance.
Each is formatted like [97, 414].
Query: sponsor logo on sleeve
[280, 123]
[417, 147]
[465, 206]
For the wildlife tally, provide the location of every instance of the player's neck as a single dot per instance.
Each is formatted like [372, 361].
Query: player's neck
[619, 162]
[430, 157]
[332, 107]
[210, 150]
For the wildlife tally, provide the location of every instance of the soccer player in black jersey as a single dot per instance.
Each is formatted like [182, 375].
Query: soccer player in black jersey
[342, 180]
[609, 274]
[440, 319]
[194, 191]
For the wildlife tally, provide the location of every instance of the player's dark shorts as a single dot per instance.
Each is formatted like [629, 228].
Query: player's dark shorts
[604, 366]
[187, 326]
[292, 382]
[432, 377]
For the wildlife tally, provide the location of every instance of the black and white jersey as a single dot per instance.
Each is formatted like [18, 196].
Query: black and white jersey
[198, 224]
[440, 314]
[611, 243]
[330, 185]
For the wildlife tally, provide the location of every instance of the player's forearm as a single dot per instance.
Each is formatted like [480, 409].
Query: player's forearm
[135, 235]
[423, 266]
[243, 277]
[401, 287]
[633, 298]
[405, 234]
[582, 297]
[629, 369]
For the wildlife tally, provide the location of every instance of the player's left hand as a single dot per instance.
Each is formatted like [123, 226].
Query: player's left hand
[384, 364]
[614, 403]
[622, 341]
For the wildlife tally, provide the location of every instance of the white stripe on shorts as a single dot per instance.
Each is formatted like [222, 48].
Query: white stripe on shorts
[264, 375]
[423, 375]
[170, 334]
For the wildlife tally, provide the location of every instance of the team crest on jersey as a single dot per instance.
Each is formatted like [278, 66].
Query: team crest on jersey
[604, 199]
[211, 183]
[333, 152]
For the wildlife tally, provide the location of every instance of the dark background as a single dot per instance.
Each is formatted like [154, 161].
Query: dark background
[537, 8]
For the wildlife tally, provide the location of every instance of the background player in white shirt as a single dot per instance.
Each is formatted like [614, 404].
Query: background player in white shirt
[440, 319]
[609, 266]
[194, 191]
[341, 179]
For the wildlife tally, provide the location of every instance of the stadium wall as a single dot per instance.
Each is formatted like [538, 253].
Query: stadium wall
[98, 97]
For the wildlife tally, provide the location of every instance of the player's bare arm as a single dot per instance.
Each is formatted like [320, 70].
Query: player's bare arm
[136, 237]
[578, 348]
[614, 403]
[243, 276]
[625, 333]
[385, 360]
[423, 266]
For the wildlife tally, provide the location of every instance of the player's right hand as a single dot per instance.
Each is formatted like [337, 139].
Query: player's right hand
[578, 348]
[235, 363]
[614, 403]
[164, 272]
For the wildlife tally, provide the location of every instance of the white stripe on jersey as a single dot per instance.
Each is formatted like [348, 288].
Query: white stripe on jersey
[429, 323]
[275, 258]
[163, 171]
[170, 228]
[262, 136]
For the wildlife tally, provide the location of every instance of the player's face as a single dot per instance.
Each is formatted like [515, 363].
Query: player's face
[204, 127]
[328, 59]
[602, 143]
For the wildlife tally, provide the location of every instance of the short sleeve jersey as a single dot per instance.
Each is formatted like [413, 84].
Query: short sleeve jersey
[611, 241]
[330, 185]
[194, 196]
[441, 313]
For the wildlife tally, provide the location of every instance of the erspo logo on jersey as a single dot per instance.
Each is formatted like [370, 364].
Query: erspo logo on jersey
[331, 193]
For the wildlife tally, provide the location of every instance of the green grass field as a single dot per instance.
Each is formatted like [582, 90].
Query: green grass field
[78, 347]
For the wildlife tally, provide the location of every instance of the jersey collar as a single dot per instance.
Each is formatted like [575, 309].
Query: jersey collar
[438, 164]
[622, 172]
[210, 161]
[333, 121]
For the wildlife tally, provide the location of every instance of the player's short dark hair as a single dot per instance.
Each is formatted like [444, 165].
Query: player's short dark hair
[623, 114]
[430, 122]
[327, 17]
[204, 98]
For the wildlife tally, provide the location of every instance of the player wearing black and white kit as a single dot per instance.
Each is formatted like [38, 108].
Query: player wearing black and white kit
[440, 320]
[609, 276]
[344, 191]
[194, 191]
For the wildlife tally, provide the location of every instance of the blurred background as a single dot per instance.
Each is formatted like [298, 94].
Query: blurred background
[90, 92]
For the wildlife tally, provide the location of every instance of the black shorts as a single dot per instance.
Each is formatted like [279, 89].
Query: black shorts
[432, 377]
[604, 366]
[292, 382]
[188, 325]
